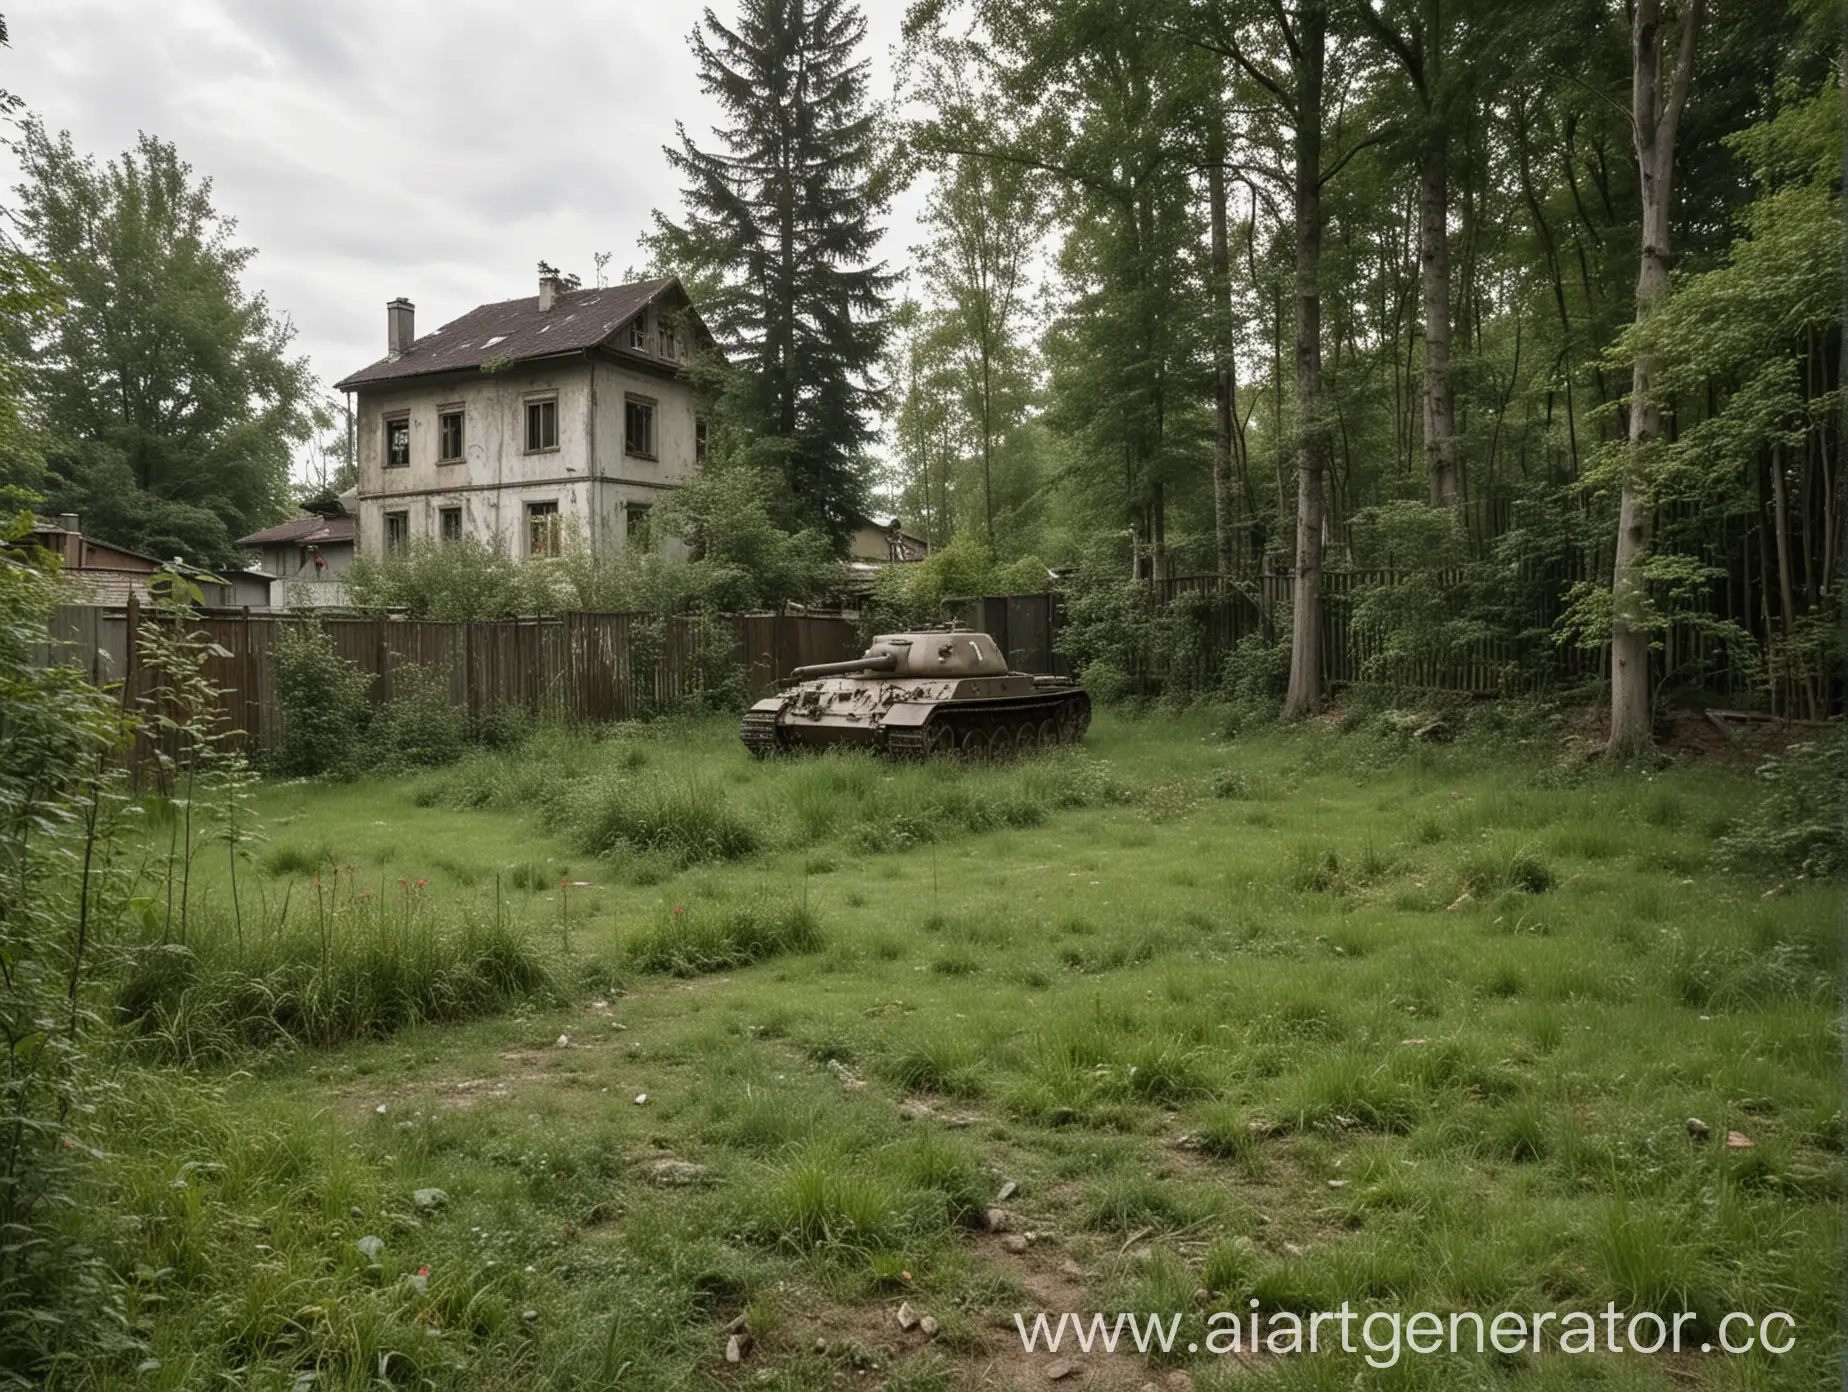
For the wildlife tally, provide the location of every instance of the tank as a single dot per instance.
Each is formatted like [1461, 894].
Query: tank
[941, 691]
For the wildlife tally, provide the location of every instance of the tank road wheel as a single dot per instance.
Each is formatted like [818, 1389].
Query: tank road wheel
[1048, 733]
[938, 739]
[1027, 739]
[1001, 744]
[973, 746]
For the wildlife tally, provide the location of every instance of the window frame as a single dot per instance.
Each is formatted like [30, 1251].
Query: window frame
[702, 439]
[635, 522]
[401, 517]
[443, 517]
[445, 414]
[651, 406]
[396, 418]
[543, 509]
[538, 403]
[638, 332]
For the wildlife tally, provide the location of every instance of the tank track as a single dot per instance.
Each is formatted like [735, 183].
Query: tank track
[945, 731]
[761, 734]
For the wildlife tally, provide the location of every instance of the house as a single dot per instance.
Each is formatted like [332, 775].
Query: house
[306, 555]
[528, 421]
[884, 542]
[101, 572]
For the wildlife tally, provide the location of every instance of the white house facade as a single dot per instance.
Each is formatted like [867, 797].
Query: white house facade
[529, 422]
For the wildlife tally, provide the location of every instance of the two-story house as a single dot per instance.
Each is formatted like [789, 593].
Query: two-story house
[529, 421]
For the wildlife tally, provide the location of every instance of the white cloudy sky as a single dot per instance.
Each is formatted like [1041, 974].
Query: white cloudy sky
[435, 149]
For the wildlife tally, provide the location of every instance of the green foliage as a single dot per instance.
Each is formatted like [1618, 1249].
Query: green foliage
[691, 941]
[1799, 825]
[323, 702]
[912, 595]
[198, 452]
[61, 886]
[777, 234]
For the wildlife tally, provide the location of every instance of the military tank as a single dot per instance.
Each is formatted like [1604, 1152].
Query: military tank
[940, 691]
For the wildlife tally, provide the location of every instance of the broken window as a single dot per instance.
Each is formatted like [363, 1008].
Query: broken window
[397, 442]
[542, 425]
[542, 529]
[638, 332]
[451, 520]
[635, 523]
[449, 437]
[397, 531]
[699, 439]
[638, 436]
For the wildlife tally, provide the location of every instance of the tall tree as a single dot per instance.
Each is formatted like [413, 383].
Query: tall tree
[1658, 98]
[779, 230]
[166, 399]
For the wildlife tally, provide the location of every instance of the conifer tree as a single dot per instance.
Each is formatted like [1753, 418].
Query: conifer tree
[778, 233]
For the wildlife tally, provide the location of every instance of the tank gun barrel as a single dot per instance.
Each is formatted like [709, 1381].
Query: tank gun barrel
[885, 662]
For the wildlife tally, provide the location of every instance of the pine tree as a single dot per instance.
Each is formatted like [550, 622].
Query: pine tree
[778, 233]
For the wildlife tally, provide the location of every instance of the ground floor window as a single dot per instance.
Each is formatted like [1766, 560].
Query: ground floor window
[397, 531]
[542, 529]
[451, 518]
[635, 523]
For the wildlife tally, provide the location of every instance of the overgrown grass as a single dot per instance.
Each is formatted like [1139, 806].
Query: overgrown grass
[1370, 1021]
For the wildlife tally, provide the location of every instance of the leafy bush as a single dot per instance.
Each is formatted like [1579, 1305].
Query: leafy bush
[418, 727]
[1800, 825]
[323, 701]
[688, 819]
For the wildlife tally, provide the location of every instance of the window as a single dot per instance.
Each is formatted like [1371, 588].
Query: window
[397, 442]
[638, 435]
[542, 425]
[449, 437]
[397, 531]
[670, 343]
[699, 439]
[638, 332]
[635, 523]
[451, 520]
[542, 529]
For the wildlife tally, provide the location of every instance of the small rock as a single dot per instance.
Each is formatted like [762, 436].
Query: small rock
[1008, 1191]
[562, 1042]
[736, 1347]
[1699, 1129]
[641, 1099]
[430, 1200]
[1337, 1184]
[1015, 1243]
[380, 1109]
[1070, 1268]
[907, 1317]
[1061, 1370]
[738, 1324]
[529, 1315]
[370, 1246]
[997, 1220]
[1738, 1140]
[929, 1325]
[821, 1345]
[355, 1211]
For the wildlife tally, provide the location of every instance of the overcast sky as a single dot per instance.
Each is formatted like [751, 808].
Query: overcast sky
[436, 149]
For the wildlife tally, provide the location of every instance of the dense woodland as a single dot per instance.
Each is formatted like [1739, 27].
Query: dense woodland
[1530, 314]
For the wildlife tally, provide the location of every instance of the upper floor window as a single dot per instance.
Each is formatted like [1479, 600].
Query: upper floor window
[449, 437]
[397, 442]
[542, 425]
[638, 435]
[670, 342]
[638, 332]
[397, 531]
[542, 529]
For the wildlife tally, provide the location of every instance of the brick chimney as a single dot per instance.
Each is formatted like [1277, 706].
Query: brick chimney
[400, 327]
[551, 284]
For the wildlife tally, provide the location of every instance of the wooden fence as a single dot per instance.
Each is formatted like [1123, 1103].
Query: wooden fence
[588, 667]
[1030, 628]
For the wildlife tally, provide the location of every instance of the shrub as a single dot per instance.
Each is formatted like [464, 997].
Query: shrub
[322, 699]
[686, 818]
[1800, 825]
[417, 727]
[689, 942]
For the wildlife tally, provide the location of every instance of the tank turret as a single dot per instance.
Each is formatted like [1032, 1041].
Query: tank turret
[911, 695]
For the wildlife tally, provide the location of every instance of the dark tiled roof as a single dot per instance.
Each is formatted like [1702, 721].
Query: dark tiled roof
[313, 530]
[516, 330]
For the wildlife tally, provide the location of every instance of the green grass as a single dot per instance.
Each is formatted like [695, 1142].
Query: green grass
[1301, 1017]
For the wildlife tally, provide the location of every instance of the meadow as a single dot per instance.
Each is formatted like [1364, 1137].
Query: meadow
[571, 1064]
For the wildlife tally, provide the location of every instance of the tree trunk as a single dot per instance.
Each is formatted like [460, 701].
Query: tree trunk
[1305, 689]
[1224, 384]
[1655, 115]
[1440, 431]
